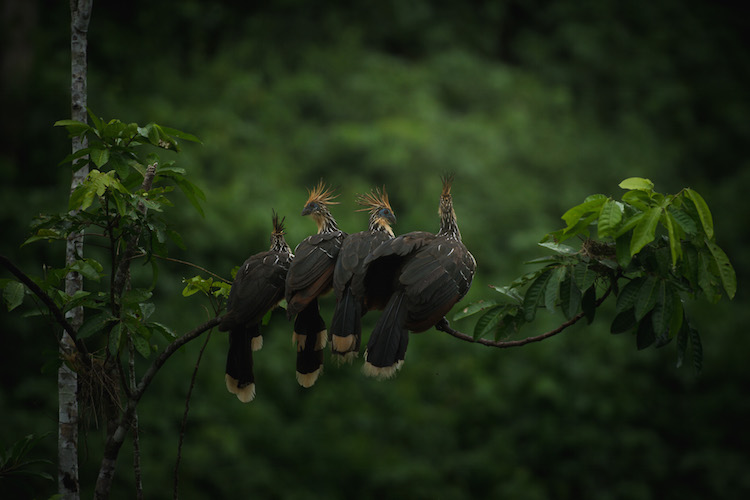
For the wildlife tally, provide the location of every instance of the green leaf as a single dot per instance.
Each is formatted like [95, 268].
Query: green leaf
[95, 324]
[474, 308]
[638, 199]
[508, 294]
[570, 297]
[645, 336]
[13, 294]
[114, 338]
[553, 288]
[181, 135]
[697, 348]
[98, 125]
[703, 212]
[683, 220]
[88, 268]
[558, 248]
[726, 271]
[164, 330]
[74, 127]
[678, 317]
[645, 231]
[141, 345]
[675, 245]
[663, 309]
[629, 293]
[682, 342]
[99, 156]
[534, 295]
[623, 322]
[609, 218]
[593, 203]
[622, 250]
[488, 321]
[588, 304]
[584, 275]
[637, 183]
[646, 298]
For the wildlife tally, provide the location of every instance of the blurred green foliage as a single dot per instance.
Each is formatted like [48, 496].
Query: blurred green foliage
[533, 105]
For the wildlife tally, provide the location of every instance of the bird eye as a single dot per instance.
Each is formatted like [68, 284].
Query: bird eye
[384, 212]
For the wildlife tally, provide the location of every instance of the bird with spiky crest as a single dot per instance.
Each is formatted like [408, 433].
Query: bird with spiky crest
[346, 324]
[309, 277]
[257, 288]
[419, 276]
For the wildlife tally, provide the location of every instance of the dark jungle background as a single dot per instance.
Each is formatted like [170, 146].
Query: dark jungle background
[533, 104]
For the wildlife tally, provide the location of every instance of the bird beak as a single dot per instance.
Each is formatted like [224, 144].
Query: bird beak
[306, 211]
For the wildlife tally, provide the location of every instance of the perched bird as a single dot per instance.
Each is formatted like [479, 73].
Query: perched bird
[421, 275]
[257, 288]
[309, 276]
[346, 325]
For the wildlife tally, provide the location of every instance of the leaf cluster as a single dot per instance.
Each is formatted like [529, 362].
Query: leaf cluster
[120, 207]
[653, 251]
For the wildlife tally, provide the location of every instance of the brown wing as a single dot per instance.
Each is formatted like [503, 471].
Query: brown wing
[258, 286]
[351, 259]
[434, 278]
[311, 271]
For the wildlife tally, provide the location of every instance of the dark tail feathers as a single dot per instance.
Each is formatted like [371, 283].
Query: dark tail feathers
[386, 348]
[311, 336]
[239, 377]
[346, 326]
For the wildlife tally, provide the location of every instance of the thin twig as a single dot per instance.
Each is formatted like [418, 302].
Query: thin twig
[136, 436]
[443, 326]
[186, 263]
[183, 426]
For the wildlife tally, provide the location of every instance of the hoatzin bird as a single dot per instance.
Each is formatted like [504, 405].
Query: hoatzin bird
[346, 325]
[421, 276]
[309, 276]
[257, 288]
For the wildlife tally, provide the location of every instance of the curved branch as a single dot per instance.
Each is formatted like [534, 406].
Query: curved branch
[444, 326]
[54, 310]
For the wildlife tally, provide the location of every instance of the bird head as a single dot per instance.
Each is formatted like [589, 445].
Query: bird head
[381, 214]
[317, 203]
[278, 242]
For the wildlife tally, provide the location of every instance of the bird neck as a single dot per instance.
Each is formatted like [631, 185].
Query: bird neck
[279, 244]
[448, 222]
[326, 223]
[380, 224]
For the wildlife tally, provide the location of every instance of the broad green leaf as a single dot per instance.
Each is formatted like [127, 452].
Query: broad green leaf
[535, 294]
[561, 249]
[147, 309]
[630, 223]
[166, 332]
[623, 322]
[637, 183]
[88, 268]
[703, 212]
[663, 309]
[675, 243]
[593, 203]
[136, 296]
[141, 344]
[726, 271]
[552, 291]
[638, 199]
[95, 324]
[508, 293]
[609, 218]
[678, 317]
[647, 297]
[98, 124]
[488, 321]
[629, 293]
[474, 308]
[622, 250]
[570, 297]
[645, 231]
[683, 220]
[588, 304]
[13, 294]
[99, 156]
[584, 275]
[181, 135]
[581, 228]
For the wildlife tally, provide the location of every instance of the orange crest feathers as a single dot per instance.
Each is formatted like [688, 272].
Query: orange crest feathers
[321, 194]
[374, 200]
[447, 183]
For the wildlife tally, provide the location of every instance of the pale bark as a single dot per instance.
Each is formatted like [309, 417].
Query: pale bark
[67, 380]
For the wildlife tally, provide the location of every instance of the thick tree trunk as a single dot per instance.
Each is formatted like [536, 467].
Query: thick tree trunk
[67, 380]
